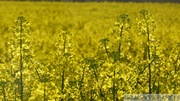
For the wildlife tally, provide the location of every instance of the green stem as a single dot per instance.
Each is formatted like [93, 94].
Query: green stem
[62, 86]
[44, 91]
[21, 60]
[149, 58]
[96, 77]
[149, 65]
[38, 75]
[63, 78]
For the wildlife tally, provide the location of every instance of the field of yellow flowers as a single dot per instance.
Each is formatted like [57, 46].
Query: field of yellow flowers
[60, 51]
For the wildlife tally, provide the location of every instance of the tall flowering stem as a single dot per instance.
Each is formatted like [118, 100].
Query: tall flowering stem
[65, 56]
[147, 25]
[19, 52]
[123, 24]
